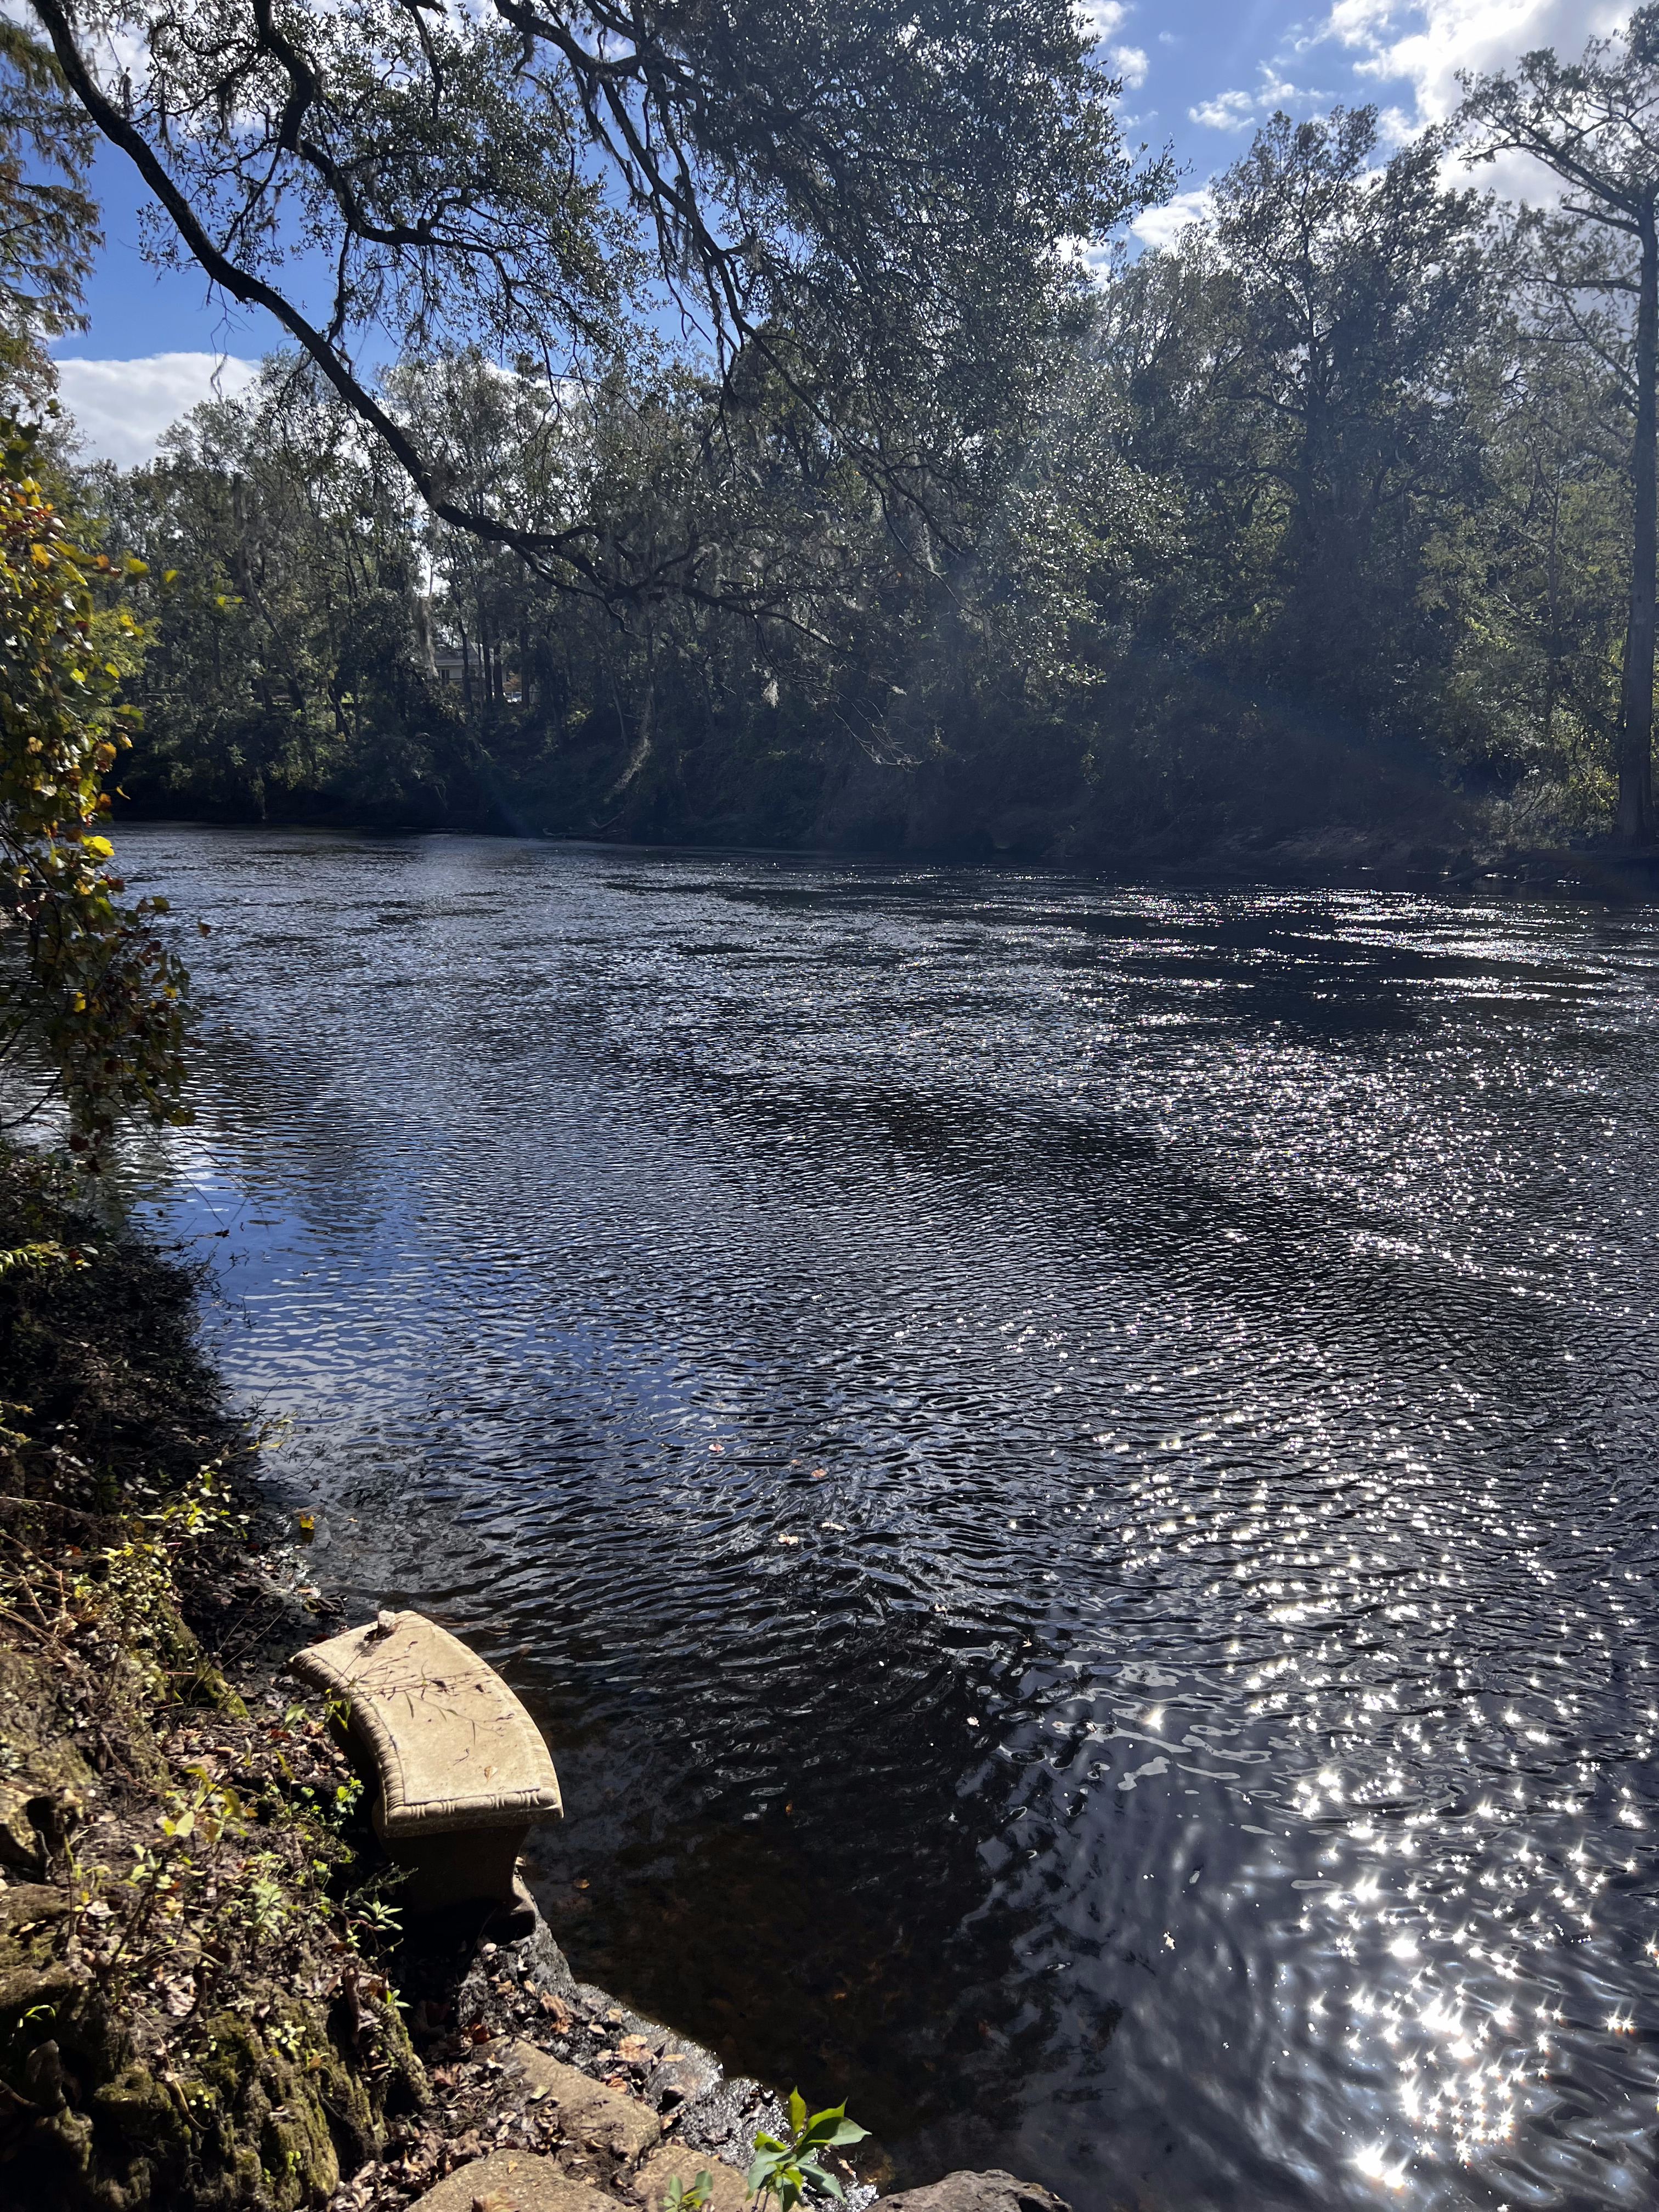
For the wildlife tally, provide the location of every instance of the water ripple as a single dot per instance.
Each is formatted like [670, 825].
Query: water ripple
[1069, 1470]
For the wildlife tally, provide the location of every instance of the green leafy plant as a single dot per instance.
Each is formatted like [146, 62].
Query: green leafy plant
[45, 1254]
[785, 2171]
[98, 989]
[679, 2198]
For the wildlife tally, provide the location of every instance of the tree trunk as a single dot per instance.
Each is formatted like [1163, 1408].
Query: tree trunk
[1636, 718]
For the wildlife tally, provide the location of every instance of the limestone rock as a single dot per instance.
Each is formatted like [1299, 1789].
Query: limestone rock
[994, 2192]
[544, 1966]
[650, 2184]
[680, 2077]
[604, 2120]
[515, 2178]
[24, 1904]
[48, 1780]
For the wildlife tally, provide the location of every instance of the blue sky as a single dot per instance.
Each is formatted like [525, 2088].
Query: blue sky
[1198, 75]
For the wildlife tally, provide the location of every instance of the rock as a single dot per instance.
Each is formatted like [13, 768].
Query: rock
[650, 2184]
[47, 1785]
[604, 2120]
[726, 2118]
[977, 2192]
[545, 1965]
[43, 2077]
[31, 1989]
[514, 2181]
[680, 2078]
[25, 1902]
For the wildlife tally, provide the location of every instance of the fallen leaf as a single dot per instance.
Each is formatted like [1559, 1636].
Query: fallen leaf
[636, 2050]
[557, 2009]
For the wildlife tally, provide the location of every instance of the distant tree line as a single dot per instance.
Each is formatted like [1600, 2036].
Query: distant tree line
[1335, 514]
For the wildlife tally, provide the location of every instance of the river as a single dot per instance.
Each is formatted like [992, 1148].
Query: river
[1069, 1469]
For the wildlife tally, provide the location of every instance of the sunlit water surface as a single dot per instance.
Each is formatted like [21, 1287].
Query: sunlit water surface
[1070, 1471]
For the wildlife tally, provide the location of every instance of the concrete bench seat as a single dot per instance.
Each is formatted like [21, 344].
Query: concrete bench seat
[460, 1767]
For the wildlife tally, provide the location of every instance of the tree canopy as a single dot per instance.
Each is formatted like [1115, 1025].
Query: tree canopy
[1596, 123]
[49, 227]
[871, 204]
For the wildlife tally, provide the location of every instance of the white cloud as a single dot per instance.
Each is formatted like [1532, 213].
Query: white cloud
[1228, 110]
[1237, 111]
[1100, 18]
[1162, 226]
[122, 407]
[1428, 43]
[1130, 64]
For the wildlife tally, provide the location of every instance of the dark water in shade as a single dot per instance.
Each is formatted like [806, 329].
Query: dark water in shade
[1070, 1471]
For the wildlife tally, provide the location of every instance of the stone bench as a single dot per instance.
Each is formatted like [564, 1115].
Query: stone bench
[460, 1767]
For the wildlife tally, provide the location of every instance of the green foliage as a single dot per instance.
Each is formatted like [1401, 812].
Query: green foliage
[286, 670]
[787, 2169]
[44, 1253]
[1317, 518]
[97, 990]
[49, 229]
[1302, 367]
[1596, 265]
[677, 2197]
[871, 205]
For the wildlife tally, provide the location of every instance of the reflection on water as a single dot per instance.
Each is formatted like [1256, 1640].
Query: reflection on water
[1070, 1471]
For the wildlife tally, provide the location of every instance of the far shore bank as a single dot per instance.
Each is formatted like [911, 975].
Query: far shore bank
[1333, 859]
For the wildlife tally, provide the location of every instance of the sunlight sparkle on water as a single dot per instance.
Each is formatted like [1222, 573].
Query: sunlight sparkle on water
[1373, 2163]
[1230, 1298]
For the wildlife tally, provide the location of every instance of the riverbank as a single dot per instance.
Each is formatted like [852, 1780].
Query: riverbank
[206, 1996]
[200, 1943]
[193, 2007]
[208, 2000]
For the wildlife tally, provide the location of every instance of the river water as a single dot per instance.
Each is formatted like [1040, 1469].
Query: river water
[1069, 1470]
